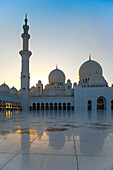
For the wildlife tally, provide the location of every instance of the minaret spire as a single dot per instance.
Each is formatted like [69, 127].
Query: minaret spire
[25, 75]
[26, 16]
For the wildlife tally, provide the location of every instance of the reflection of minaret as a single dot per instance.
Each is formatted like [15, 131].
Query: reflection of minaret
[25, 76]
[25, 140]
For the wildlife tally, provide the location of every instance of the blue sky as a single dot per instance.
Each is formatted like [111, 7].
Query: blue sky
[63, 32]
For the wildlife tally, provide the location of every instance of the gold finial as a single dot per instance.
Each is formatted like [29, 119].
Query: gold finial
[4, 82]
[56, 66]
[89, 56]
[96, 72]
[26, 16]
[26, 20]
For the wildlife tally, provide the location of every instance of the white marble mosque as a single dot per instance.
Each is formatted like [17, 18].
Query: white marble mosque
[90, 93]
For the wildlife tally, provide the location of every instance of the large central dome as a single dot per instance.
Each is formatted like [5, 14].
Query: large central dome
[88, 68]
[56, 76]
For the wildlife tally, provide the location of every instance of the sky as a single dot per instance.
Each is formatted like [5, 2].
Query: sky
[63, 32]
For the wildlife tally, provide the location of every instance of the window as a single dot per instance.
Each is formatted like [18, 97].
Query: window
[68, 87]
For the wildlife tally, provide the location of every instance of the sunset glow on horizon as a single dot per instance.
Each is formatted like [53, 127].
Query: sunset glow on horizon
[63, 32]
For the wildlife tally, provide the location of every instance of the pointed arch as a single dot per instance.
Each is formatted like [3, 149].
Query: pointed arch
[101, 103]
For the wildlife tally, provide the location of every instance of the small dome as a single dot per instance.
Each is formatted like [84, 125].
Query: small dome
[13, 91]
[88, 68]
[36, 93]
[74, 84]
[4, 88]
[97, 80]
[32, 89]
[68, 81]
[39, 82]
[56, 76]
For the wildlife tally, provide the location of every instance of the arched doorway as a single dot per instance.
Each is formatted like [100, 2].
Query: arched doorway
[64, 106]
[68, 106]
[42, 106]
[101, 103]
[38, 106]
[47, 106]
[51, 106]
[112, 105]
[4, 105]
[89, 105]
[55, 106]
[60, 106]
[34, 106]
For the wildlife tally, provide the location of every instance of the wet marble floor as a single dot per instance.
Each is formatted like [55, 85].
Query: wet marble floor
[56, 140]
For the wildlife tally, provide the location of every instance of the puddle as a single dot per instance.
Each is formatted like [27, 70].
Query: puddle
[56, 129]
[99, 128]
[100, 124]
[18, 120]
[49, 122]
[34, 122]
[71, 122]
[72, 126]
[3, 120]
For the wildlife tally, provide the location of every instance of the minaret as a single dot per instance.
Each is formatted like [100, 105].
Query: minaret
[25, 75]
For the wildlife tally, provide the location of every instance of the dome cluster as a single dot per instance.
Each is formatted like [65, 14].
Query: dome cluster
[90, 75]
[5, 89]
[34, 92]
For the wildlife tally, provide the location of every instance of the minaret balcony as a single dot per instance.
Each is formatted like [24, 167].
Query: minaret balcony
[25, 36]
[25, 53]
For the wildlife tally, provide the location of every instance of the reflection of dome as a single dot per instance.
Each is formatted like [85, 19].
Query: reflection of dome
[13, 91]
[88, 68]
[97, 80]
[56, 76]
[54, 143]
[36, 93]
[4, 88]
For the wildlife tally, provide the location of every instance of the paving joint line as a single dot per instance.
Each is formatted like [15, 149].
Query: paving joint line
[19, 152]
[75, 150]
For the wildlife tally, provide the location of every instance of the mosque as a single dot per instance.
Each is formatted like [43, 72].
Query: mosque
[90, 93]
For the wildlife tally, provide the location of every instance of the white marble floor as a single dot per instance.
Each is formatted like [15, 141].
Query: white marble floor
[56, 140]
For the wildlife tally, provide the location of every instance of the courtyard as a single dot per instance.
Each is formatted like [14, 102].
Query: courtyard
[56, 140]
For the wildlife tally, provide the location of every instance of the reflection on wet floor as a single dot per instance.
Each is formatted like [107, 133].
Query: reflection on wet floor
[82, 135]
[56, 129]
